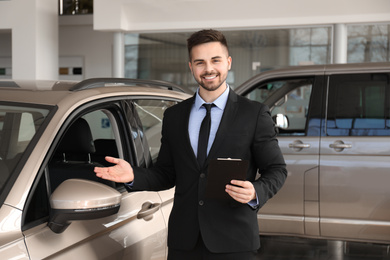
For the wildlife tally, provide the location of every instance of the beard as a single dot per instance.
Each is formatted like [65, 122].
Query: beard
[211, 86]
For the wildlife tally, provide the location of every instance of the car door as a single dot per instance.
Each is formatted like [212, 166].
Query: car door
[150, 113]
[137, 231]
[354, 163]
[294, 209]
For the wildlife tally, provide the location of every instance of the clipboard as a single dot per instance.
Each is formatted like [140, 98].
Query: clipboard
[220, 172]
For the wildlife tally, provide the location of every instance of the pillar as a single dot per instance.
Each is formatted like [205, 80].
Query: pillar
[340, 43]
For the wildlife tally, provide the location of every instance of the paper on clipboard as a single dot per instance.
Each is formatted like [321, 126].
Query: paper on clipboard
[220, 172]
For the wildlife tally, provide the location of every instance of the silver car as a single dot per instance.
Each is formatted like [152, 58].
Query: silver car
[52, 134]
[334, 132]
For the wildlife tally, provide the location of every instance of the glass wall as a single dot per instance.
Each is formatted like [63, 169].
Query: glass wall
[368, 43]
[164, 56]
[310, 46]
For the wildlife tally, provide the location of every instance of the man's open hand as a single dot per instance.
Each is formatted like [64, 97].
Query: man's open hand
[120, 172]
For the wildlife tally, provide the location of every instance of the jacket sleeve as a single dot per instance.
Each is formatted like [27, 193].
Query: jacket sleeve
[268, 158]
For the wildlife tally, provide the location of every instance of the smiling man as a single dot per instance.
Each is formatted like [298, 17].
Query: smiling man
[210, 63]
[201, 227]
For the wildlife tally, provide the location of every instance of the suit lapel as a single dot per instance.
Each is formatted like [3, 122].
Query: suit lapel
[227, 119]
[185, 116]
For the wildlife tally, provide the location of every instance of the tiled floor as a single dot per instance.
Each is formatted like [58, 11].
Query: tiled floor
[283, 248]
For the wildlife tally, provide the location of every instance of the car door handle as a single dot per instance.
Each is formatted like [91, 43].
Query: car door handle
[147, 210]
[339, 146]
[298, 145]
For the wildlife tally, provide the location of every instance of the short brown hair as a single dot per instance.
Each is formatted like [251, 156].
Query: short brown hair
[205, 36]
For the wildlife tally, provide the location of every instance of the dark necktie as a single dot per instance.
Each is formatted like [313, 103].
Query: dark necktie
[204, 133]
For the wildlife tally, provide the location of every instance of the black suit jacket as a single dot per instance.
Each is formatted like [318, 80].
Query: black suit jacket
[247, 132]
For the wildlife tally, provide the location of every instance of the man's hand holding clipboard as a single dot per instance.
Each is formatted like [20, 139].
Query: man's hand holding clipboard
[227, 180]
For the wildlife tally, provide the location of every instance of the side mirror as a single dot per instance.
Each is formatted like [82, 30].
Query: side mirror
[77, 199]
[281, 121]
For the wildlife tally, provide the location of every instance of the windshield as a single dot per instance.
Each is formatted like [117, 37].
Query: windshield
[18, 126]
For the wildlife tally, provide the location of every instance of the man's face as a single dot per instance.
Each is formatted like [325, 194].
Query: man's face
[210, 63]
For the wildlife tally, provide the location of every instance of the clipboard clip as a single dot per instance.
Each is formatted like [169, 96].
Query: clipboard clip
[228, 159]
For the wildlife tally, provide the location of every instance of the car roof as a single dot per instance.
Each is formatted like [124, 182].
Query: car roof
[50, 92]
[307, 70]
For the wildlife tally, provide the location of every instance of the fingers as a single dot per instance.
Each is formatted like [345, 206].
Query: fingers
[244, 193]
[104, 170]
[101, 172]
[120, 172]
[112, 159]
[243, 184]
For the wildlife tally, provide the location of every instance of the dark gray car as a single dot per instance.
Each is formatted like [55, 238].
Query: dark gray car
[335, 135]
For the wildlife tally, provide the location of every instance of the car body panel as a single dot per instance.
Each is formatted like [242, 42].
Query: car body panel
[288, 204]
[354, 189]
[15, 250]
[11, 222]
[167, 202]
[111, 237]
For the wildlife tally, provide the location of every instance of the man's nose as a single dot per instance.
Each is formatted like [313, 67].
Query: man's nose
[209, 67]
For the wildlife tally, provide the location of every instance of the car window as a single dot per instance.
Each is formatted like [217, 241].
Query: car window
[151, 112]
[294, 105]
[289, 97]
[105, 135]
[359, 105]
[83, 146]
[266, 90]
[18, 125]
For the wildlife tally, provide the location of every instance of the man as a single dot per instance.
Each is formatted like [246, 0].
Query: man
[201, 227]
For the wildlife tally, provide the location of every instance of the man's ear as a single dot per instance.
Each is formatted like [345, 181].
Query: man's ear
[190, 65]
[230, 62]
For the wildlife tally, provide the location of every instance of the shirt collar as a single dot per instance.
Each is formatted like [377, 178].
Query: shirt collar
[220, 102]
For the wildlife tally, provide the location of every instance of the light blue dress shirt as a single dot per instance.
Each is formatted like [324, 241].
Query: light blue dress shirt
[198, 112]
